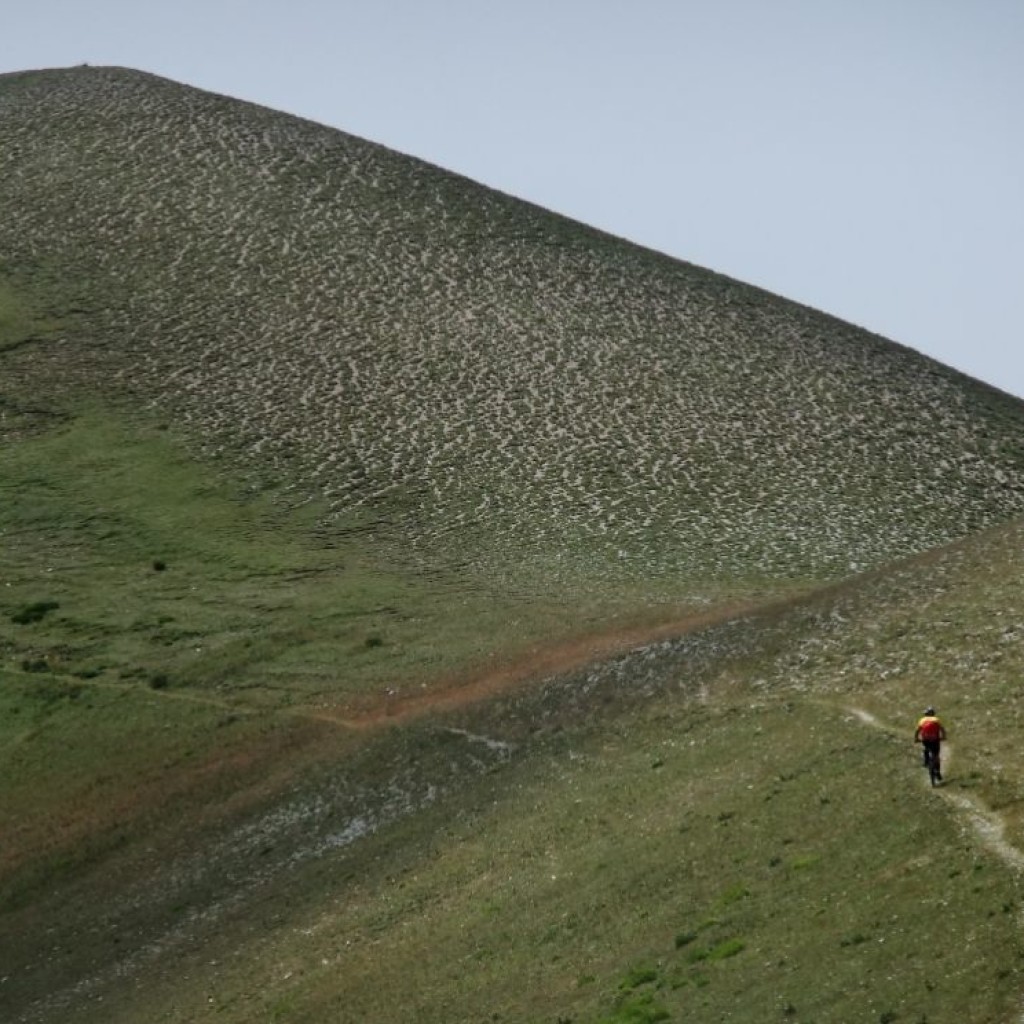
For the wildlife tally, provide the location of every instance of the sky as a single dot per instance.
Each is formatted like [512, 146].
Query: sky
[865, 157]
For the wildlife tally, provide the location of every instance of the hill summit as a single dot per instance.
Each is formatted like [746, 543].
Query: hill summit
[468, 378]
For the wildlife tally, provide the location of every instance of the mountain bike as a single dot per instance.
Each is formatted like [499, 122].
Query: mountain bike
[933, 762]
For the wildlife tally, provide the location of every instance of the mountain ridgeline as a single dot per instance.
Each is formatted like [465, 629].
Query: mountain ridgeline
[468, 378]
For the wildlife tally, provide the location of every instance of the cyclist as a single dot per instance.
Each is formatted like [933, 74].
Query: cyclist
[930, 732]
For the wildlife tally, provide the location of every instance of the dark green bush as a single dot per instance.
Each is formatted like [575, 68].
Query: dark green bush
[638, 976]
[640, 1009]
[34, 612]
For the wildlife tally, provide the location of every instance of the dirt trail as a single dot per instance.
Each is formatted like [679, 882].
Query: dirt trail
[530, 668]
[571, 654]
[988, 825]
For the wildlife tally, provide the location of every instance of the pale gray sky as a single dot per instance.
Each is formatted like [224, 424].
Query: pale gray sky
[865, 157]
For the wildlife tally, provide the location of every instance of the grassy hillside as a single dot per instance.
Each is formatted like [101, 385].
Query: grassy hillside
[415, 605]
[734, 824]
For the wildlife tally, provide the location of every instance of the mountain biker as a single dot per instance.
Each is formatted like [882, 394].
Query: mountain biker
[930, 732]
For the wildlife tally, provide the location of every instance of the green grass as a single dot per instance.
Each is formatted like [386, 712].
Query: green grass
[158, 623]
[88, 766]
[630, 861]
[248, 604]
[674, 857]
[641, 855]
[558, 891]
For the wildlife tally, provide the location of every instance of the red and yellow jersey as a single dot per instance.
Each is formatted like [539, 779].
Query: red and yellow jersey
[930, 728]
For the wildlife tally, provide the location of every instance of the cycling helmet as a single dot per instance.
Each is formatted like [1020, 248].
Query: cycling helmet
[929, 711]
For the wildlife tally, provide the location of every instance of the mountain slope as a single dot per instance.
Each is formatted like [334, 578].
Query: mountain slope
[703, 827]
[468, 377]
[293, 428]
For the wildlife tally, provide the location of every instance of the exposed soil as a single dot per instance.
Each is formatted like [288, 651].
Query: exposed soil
[540, 663]
[531, 667]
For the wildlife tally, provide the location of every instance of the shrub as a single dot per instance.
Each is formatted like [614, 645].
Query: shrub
[643, 1009]
[638, 976]
[724, 950]
[34, 612]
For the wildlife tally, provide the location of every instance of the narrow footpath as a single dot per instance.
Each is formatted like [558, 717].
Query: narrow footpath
[988, 825]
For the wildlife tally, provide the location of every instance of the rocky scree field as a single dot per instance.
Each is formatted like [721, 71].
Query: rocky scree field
[467, 378]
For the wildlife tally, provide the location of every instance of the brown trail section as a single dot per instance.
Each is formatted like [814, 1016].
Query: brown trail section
[533, 667]
[572, 654]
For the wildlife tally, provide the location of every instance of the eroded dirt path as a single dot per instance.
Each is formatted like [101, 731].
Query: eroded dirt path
[989, 826]
[990, 829]
[532, 667]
